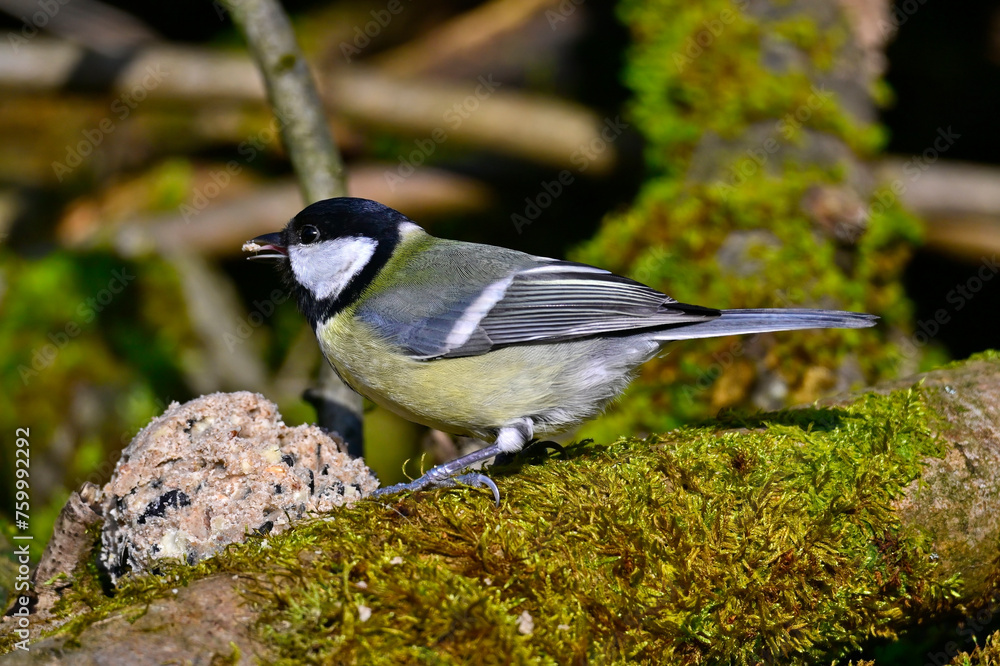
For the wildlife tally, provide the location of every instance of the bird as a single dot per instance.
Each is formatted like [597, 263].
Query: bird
[480, 340]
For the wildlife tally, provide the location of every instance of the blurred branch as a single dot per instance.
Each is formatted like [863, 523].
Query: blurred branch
[534, 127]
[968, 238]
[40, 129]
[960, 202]
[97, 25]
[300, 363]
[454, 40]
[945, 188]
[317, 163]
[541, 129]
[214, 309]
[223, 225]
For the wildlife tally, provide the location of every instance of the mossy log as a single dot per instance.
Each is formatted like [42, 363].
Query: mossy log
[783, 537]
[759, 127]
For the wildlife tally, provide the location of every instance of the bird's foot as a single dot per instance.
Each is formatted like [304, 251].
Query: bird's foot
[534, 449]
[448, 474]
[437, 480]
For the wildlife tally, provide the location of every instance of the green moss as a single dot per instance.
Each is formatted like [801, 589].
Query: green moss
[698, 70]
[988, 355]
[74, 366]
[985, 654]
[748, 538]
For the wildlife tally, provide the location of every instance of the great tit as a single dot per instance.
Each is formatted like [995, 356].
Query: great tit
[480, 340]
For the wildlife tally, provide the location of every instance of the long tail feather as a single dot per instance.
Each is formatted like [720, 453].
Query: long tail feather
[737, 322]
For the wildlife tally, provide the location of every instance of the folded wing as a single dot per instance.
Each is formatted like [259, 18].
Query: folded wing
[540, 300]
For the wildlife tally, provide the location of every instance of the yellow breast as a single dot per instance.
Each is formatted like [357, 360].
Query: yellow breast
[472, 395]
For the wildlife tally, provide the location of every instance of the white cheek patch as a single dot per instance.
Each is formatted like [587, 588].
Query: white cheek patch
[326, 268]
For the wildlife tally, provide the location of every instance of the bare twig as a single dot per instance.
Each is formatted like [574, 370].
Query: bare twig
[293, 97]
[317, 163]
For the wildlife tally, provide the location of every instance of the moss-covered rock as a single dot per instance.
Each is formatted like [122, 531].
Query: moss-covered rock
[778, 537]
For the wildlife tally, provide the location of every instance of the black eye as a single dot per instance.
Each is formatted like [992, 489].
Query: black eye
[309, 234]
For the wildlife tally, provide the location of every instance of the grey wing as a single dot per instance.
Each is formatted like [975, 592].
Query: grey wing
[542, 300]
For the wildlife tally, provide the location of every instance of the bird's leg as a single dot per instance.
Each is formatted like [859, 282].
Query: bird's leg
[509, 440]
[531, 450]
[448, 475]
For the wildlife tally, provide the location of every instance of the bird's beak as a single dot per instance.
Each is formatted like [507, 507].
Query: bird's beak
[268, 246]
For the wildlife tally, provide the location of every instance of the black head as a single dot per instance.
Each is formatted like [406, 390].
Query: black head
[341, 218]
[332, 250]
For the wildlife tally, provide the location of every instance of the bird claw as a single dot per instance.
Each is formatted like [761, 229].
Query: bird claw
[430, 480]
[477, 480]
[531, 450]
[447, 475]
